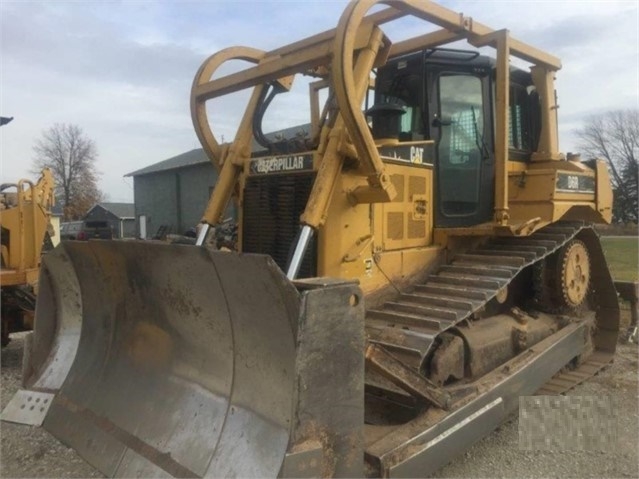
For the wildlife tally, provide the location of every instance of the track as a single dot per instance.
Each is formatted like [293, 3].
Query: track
[408, 326]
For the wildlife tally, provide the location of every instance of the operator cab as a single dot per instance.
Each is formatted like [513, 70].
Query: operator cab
[448, 96]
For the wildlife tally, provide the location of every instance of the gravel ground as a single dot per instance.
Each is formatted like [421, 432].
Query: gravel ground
[499, 455]
[32, 452]
[28, 451]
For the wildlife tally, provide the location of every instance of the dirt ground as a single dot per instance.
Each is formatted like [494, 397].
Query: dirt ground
[32, 452]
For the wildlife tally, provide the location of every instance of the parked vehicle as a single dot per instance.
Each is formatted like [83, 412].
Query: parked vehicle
[97, 230]
[71, 230]
[85, 230]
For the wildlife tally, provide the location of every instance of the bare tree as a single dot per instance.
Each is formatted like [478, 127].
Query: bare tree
[71, 156]
[614, 136]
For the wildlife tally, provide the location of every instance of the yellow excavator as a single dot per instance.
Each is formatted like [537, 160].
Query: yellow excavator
[405, 272]
[25, 210]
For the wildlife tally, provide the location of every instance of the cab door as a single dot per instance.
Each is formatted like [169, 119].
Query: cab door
[461, 125]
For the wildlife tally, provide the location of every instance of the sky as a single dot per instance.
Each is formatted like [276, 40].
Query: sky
[122, 70]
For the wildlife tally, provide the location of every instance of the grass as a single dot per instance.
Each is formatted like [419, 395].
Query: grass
[623, 257]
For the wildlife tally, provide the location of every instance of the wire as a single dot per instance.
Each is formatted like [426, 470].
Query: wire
[265, 100]
[386, 276]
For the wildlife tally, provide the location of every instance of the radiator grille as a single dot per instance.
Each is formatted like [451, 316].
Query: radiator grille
[272, 208]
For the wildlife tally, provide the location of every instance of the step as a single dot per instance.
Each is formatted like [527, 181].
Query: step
[564, 382]
[469, 280]
[382, 332]
[500, 260]
[479, 270]
[558, 238]
[576, 376]
[549, 389]
[528, 241]
[407, 356]
[423, 310]
[387, 332]
[527, 256]
[411, 320]
[456, 291]
[438, 300]
[411, 343]
[540, 250]
[562, 230]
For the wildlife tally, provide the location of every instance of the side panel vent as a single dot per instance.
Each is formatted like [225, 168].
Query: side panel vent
[398, 183]
[416, 185]
[395, 226]
[406, 221]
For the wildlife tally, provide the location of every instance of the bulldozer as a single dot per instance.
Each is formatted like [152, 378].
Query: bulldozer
[25, 210]
[405, 272]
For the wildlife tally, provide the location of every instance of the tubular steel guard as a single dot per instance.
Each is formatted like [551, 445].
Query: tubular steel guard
[198, 104]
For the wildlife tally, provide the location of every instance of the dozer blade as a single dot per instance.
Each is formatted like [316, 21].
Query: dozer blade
[50, 349]
[194, 363]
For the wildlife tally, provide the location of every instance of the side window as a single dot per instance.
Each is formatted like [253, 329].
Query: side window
[460, 145]
[403, 90]
[519, 131]
[408, 119]
[461, 110]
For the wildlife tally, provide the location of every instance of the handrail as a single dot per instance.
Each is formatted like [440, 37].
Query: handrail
[306, 55]
[198, 108]
[335, 51]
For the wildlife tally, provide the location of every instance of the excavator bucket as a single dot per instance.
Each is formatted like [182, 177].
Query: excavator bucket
[195, 363]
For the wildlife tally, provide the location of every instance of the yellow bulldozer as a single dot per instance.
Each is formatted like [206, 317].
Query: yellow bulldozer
[25, 209]
[405, 272]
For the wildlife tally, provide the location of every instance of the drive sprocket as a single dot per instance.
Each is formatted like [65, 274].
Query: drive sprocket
[563, 279]
[575, 273]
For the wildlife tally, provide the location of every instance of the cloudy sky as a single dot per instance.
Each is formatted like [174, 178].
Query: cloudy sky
[122, 70]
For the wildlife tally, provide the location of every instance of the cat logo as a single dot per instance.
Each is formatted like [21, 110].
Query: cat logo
[416, 155]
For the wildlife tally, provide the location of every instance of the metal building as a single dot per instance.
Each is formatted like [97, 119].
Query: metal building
[170, 196]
